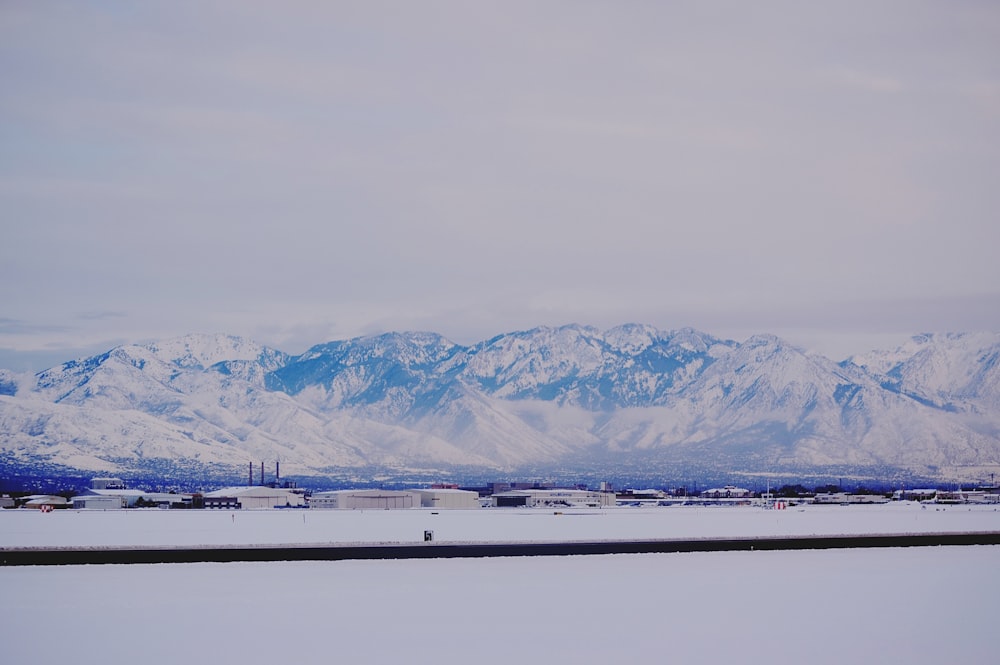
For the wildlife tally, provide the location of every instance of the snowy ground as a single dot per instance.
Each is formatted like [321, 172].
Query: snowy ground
[909, 605]
[23, 528]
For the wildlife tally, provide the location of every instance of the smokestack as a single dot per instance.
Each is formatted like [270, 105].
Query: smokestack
[251, 475]
[277, 470]
[262, 472]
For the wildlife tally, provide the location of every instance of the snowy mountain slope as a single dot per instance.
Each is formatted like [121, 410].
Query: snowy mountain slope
[11, 381]
[489, 428]
[780, 406]
[949, 371]
[566, 396]
[95, 438]
[385, 373]
[125, 376]
[629, 365]
[199, 398]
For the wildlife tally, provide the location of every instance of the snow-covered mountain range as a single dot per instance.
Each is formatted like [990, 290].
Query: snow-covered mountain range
[567, 397]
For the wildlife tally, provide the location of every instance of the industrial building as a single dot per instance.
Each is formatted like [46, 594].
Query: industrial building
[107, 484]
[127, 498]
[727, 492]
[365, 500]
[90, 499]
[843, 498]
[447, 498]
[554, 498]
[967, 496]
[44, 501]
[98, 502]
[254, 498]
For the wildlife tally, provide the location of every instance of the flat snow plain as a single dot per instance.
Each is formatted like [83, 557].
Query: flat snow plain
[914, 605]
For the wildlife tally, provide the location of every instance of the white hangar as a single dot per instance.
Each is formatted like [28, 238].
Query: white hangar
[448, 498]
[545, 498]
[364, 500]
[254, 498]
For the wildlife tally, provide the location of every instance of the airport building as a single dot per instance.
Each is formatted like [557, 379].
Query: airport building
[555, 498]
[448, 498]
[257, 497]
[364, 500]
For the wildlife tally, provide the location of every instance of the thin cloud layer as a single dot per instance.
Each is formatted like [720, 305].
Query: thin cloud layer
[314, 171]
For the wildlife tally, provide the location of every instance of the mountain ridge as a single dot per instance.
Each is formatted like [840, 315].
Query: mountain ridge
[571, 396]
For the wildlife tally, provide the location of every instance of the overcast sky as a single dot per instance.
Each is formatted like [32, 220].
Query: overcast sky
[298, 172]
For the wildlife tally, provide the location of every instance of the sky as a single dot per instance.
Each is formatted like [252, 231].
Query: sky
[300, 172]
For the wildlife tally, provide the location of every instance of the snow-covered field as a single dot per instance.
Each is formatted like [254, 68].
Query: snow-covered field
[912, 605]
[23, 528]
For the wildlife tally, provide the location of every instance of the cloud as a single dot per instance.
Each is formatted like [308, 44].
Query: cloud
[19, 327]
[101, 315]
[866, 81]
[471, 169]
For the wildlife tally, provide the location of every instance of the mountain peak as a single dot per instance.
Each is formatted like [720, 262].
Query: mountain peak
[199, 350]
